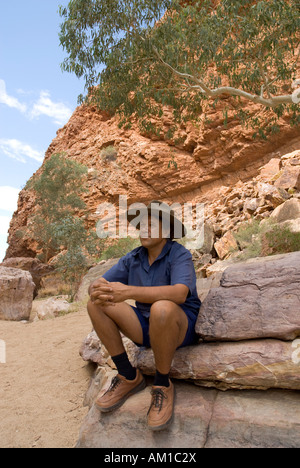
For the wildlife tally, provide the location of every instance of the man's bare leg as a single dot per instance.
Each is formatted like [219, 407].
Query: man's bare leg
[108, 321]
[168, 329]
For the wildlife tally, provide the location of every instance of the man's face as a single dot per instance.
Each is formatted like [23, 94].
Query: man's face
[151, 231]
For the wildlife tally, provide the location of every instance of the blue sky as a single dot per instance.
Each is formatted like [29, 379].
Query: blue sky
[36, 98]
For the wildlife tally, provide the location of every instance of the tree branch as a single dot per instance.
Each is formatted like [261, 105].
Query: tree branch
[227, 90]
[266, 81]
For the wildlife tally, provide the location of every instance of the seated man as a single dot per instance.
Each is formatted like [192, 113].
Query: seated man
[160, 277]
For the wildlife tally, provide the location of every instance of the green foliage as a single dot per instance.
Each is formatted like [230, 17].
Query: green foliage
[120, 248]
[280, 239]
[56, 225]
[184, 60]
[262, 239]
[72, 265]
[58, 187]
[247, 235]
[57, 190]
[110, 153]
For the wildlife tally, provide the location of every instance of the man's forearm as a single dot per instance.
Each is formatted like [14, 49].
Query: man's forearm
[177, 293]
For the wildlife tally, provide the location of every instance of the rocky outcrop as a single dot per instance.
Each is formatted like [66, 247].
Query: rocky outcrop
[16, 294]
[289, 211]
[203, 418]
[259, 300]
[197, 165]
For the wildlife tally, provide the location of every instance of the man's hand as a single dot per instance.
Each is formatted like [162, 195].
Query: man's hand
[119, 292]
[100, 292]
[104, 293]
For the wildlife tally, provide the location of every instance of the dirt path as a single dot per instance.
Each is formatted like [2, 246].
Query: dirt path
[43, 382]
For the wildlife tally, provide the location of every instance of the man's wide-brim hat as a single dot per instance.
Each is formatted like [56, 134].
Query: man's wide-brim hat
[163, 212]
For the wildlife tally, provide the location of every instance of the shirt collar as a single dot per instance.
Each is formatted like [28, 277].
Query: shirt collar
[143, 254]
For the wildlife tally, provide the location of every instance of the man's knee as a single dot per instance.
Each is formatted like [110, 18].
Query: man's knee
[95, 309]
[163, 313]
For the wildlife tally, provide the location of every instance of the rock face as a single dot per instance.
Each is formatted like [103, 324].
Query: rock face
[16, 294]
[258, 300]
[203, 419]
[254, 364]
[206, 160]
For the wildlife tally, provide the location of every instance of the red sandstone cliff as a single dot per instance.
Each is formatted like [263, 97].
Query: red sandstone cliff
[205, 159]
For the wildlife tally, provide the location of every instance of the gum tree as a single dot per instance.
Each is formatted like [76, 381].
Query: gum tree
[58, 224]
[137, 56]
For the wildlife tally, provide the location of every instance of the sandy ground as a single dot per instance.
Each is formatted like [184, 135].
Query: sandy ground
[43, 383]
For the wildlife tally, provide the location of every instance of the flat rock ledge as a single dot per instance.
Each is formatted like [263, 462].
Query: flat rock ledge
[255, 364]
[252, 364]
[204, 418]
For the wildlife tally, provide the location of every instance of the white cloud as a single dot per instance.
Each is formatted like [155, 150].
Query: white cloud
[10, 101]
[4, 225]
[3, 245]
[8, 201]
[18, 150]
[58, 111]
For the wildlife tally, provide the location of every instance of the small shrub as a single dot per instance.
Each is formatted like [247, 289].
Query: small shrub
[280, 240]
[247, 232]
[109, 154]
[121, 248]
[258, 239]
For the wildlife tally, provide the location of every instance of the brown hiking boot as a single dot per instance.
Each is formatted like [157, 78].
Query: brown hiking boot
[161, 411]
[119, 391]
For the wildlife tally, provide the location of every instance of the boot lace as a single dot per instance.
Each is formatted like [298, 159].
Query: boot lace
[158, 399]
[114, 384]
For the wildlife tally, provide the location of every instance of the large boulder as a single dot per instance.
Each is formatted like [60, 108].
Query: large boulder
[36, 268]
[288, 211]
[16, 294]
[258, 300]
[289, 179]
[50, 308]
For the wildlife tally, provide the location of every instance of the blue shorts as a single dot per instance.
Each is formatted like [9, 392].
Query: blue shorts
[190, 338]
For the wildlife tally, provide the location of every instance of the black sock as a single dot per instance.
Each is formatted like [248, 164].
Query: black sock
[161, 380]
[124, 367]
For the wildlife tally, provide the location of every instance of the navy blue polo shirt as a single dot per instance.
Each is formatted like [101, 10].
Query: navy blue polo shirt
[173, 266]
